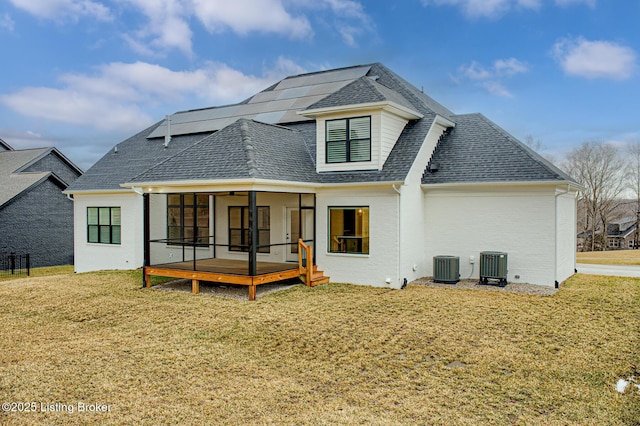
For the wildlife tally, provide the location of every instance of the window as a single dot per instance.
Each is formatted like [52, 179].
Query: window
[239, 236]
[103, 225]
[348, 140]
[187, 215]
[349, 230]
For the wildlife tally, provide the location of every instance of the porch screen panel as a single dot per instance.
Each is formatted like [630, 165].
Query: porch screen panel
[239, 236]
[186, 214]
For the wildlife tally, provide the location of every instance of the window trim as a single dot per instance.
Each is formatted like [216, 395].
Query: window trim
[244, 232]
[368, 237]
[110, 225]
[347, 141]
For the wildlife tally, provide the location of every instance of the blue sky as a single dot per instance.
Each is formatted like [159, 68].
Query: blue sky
[82, 75]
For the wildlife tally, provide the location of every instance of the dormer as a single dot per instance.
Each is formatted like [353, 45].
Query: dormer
[358, 126]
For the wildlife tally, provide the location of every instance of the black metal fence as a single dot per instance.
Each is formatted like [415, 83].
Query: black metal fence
[12, 264]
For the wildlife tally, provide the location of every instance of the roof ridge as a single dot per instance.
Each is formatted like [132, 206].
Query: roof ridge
[527, 150]
[410, 90]
[249, 150]
[328, 70]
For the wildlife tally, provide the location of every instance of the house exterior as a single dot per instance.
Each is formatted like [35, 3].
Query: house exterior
[358, 163]
[35, 216]
[621, 234]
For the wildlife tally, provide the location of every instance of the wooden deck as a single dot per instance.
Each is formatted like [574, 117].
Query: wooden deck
[224, 271]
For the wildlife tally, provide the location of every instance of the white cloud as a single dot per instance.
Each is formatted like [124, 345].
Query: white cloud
[509, 67]
[351, 19]
[64, 9]
[6, 22]
[166, 27]
[486, 8]
[491, 78]
[117, 95]
[244, 16]
[564, 3]
[167, 23]
[595, 59]
[497, 88]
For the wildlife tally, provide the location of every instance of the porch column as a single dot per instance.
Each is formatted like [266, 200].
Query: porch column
[315, 245]
[253, 233]
[146, 237]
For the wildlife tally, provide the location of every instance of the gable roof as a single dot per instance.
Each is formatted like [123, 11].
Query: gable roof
[5, 146]
[477, 150]
[361, 91]
[14, 180]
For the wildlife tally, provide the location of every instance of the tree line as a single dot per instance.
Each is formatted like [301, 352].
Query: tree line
[610, 174]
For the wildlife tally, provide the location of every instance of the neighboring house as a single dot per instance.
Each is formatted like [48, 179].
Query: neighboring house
[621, 234]
[35, 216]
[374, 174]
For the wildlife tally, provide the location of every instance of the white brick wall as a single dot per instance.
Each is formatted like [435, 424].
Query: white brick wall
[382, 261]
[520, 222]
[128, 254]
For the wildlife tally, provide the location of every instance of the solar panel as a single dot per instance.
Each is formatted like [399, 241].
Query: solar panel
[279, 105]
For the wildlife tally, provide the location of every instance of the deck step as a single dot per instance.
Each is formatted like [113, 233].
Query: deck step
[319, 281]
[317, 278]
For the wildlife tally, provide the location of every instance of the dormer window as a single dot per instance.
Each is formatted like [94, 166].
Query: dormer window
[348, 140]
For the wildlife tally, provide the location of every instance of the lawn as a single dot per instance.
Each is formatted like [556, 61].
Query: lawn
[612, 257]
[334, 354]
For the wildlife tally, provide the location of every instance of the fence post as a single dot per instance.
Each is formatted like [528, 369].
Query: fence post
[28, 264]
[12, 263]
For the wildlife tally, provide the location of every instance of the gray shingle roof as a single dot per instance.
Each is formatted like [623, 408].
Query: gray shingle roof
[133, 156]
[14, 180]
[477, 150]
[361, 91]
[244, 149]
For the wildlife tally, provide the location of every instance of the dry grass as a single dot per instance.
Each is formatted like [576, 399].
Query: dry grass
[613, 257]
[41, 272]
[335, 354]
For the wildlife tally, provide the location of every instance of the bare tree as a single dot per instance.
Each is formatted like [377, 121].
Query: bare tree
[538, 146]
[633, 181]
[599, 168]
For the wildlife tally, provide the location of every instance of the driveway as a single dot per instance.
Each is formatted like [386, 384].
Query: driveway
[611, 270]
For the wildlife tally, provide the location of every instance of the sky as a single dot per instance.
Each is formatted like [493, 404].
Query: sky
[83, 75]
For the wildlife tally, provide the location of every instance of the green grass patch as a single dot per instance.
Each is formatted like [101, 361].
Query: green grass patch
[613, 257]
[334, 354]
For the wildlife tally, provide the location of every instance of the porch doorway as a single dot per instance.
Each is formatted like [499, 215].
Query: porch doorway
[298, 221]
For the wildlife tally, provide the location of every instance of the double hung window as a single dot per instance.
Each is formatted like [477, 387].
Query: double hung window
[348, 140]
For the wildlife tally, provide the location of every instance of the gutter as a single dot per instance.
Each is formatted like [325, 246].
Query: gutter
[555, 237]
[393, 186]
[571, 185]
[247, 184]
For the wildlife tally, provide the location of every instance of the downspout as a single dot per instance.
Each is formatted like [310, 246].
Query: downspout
[397, 189]
[555, 238]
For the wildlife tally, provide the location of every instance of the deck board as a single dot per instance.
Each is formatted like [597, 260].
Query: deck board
[228, 266]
